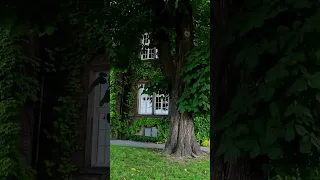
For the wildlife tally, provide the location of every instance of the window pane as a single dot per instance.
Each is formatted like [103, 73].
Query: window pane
[144, 102]
[161, 105]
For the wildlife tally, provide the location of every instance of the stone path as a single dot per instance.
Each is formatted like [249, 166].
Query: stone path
[145, 144]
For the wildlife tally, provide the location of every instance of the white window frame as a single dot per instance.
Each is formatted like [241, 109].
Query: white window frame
[146, 52]
[95, 109]
[154, 97]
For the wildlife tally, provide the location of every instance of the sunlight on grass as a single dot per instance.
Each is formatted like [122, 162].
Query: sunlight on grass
[128, 163]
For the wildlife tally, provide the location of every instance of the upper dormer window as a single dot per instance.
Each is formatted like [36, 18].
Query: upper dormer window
[148, 53]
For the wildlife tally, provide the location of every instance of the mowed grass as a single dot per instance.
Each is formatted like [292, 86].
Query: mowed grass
[129, 163]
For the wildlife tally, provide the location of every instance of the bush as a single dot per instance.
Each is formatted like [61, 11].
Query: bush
[201, 123]
[161, 124]
[205, 143]
[202, 128]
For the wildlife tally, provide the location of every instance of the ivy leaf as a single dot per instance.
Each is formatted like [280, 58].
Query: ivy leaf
[258, 126]
[298, 86]
[315, 141]
[275, 152]
[255, 151]
[269, 94]
[297, 110]
[270, 136]
[271, 47]
[226, 122]
[276, 73]
[305, 145]
[290, 133]
[300, 129]
[313, 80]
[245, 143]
[223, 147]
[274, 110]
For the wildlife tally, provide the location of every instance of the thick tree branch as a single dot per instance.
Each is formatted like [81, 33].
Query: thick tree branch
[164, 46]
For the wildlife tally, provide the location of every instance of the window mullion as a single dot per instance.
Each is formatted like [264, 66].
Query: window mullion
[153, 103]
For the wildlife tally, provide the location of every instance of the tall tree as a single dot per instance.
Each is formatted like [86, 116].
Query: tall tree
[177, 16]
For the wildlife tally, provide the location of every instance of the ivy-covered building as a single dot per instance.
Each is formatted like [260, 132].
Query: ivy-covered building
[147, 110]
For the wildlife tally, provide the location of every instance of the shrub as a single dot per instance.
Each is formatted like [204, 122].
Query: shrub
[202, 128]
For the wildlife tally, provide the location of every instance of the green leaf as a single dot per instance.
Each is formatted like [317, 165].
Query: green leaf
[275, 152]
[298, 86]
[271, 136]
[176, 4]
[298, 110]
[226, 122]
[300, 129]
[271, 47]
[315, 141]
[258, 126]
[276, 73]
[269, 94]
[49, 30]
[305, 145]
[314, 80]
[290, 133]
[273, 107]
[255, 151]
[245, 143]
[223, 147]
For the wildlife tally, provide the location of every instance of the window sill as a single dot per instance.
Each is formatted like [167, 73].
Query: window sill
[150, 115]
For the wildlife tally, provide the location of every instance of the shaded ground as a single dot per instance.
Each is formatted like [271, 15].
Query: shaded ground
[145, 163]
[145, 144]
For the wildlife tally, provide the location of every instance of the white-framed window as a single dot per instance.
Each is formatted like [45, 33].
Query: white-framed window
[156, 104]
[147, 53]
[100, 136]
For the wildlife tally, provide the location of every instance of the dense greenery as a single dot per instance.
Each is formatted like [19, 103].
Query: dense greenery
[16, 89]
[274, 112]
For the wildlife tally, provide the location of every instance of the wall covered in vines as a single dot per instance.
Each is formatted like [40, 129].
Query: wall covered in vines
[151, 72]
[15, 90]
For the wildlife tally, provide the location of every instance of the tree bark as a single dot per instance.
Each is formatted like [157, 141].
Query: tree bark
[181, 141]
[224, 84]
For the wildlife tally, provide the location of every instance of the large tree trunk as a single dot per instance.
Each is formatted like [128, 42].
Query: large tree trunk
[224, 86]
[181, 139]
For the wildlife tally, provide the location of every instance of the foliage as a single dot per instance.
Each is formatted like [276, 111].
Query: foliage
[160, 123]
[141, 71]
[16, 89]
[196, 74]
[64, 137]
[275, 111]
[144, 163]
[202, 127]
[206, 143]
[115, 91]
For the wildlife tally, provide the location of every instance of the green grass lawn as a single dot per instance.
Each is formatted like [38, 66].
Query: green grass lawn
[144, 164]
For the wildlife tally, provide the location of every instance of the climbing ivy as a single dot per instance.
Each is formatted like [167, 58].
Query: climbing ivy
[160, 123]
[142, 70]
[15, 90]
[65, 131]
[275, 112]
